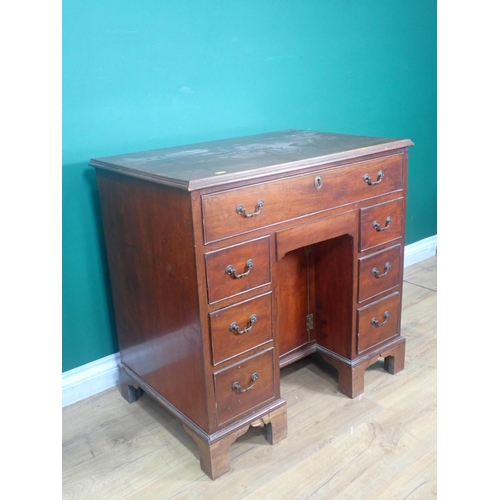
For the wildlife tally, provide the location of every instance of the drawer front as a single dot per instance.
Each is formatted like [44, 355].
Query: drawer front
[244, 386]
[381, 223]
[241, 210]
[237, 269]
[378, 322]
[239, 328]
[379, 272]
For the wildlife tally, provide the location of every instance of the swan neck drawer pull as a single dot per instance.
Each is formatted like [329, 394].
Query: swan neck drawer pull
[375, 322]
[376, 272]
[237, 387]
[234, 327]
[232, 271]
[241, 210]
[377, 226]
[369, 181]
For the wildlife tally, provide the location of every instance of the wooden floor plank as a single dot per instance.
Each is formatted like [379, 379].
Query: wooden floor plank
[423, 273]
[380, 445]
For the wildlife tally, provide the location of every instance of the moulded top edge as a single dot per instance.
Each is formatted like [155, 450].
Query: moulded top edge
[215, 163]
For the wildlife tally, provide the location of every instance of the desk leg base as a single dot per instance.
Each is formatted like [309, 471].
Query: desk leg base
[352, 377]
[129, 388]
[275, 425]
[394, 360]
[214, 458]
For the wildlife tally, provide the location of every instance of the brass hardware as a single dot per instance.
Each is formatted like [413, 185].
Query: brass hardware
[309, 322]
[237, 387]
[369, 181]
[318, 182]
[236, 329]
[377, 227]
[375, 322]
[241, 210]
[231, 270]
[376, 272]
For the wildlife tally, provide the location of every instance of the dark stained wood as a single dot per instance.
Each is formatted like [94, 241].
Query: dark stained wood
[323, 283]
[253, 393]
[335, 288]
[276, 425]
[293, 277]
[339, 186]
[379, 272]
[172, 229]
[227, 343]
[379, 214]
[151, 263]
[214, 457]
[129, 389]
[214, 163]
[369, 334]
[394, 359]
[351, 374]
[221, 284]
[315, 232]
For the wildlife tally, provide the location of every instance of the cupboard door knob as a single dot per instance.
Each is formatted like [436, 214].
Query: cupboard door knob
[235, 328]
[369, 181]
[377, 226]
[376, 272]
[232, 271]
[241, 210]
[237, 387]
[375, 322]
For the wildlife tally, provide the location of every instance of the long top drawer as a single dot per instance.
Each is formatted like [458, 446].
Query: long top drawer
[240, 210]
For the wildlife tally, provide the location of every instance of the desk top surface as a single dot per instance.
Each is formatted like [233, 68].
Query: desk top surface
[214, 163]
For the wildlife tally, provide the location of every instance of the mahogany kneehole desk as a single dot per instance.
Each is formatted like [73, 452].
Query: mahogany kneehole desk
[231, 259]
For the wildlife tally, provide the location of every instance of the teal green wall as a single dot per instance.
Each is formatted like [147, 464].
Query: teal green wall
[148, 74]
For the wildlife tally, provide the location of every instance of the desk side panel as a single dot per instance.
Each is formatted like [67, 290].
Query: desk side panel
[149, 240]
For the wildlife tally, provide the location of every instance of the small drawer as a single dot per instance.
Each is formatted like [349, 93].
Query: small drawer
[381, 223]
[240, 210]
[237, 269]
[237, 329]
[244, 386]
[378, 322]
[379, 272]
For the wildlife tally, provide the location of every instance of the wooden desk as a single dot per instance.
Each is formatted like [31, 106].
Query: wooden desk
[231, 259]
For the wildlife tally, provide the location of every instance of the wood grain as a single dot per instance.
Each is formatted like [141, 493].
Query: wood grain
[380, 445]
[339, 186]
[222, 285]
[152, 262]
[379, 272]
[380, 214]
[229, 160]
[232, 403]
[228, 342]
[374, 327]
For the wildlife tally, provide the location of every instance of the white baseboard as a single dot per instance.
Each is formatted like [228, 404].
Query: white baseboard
[89, 379]
[102, 374]
[420, 250]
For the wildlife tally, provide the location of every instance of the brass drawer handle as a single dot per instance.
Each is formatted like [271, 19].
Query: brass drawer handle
[376, 272]
[377, 227]
[237, 387]
[241, 210]
[375, 322]
[231, 270]
[369, 181]
[236, 329]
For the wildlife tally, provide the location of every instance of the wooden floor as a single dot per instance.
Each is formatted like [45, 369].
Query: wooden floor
[380, 445]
